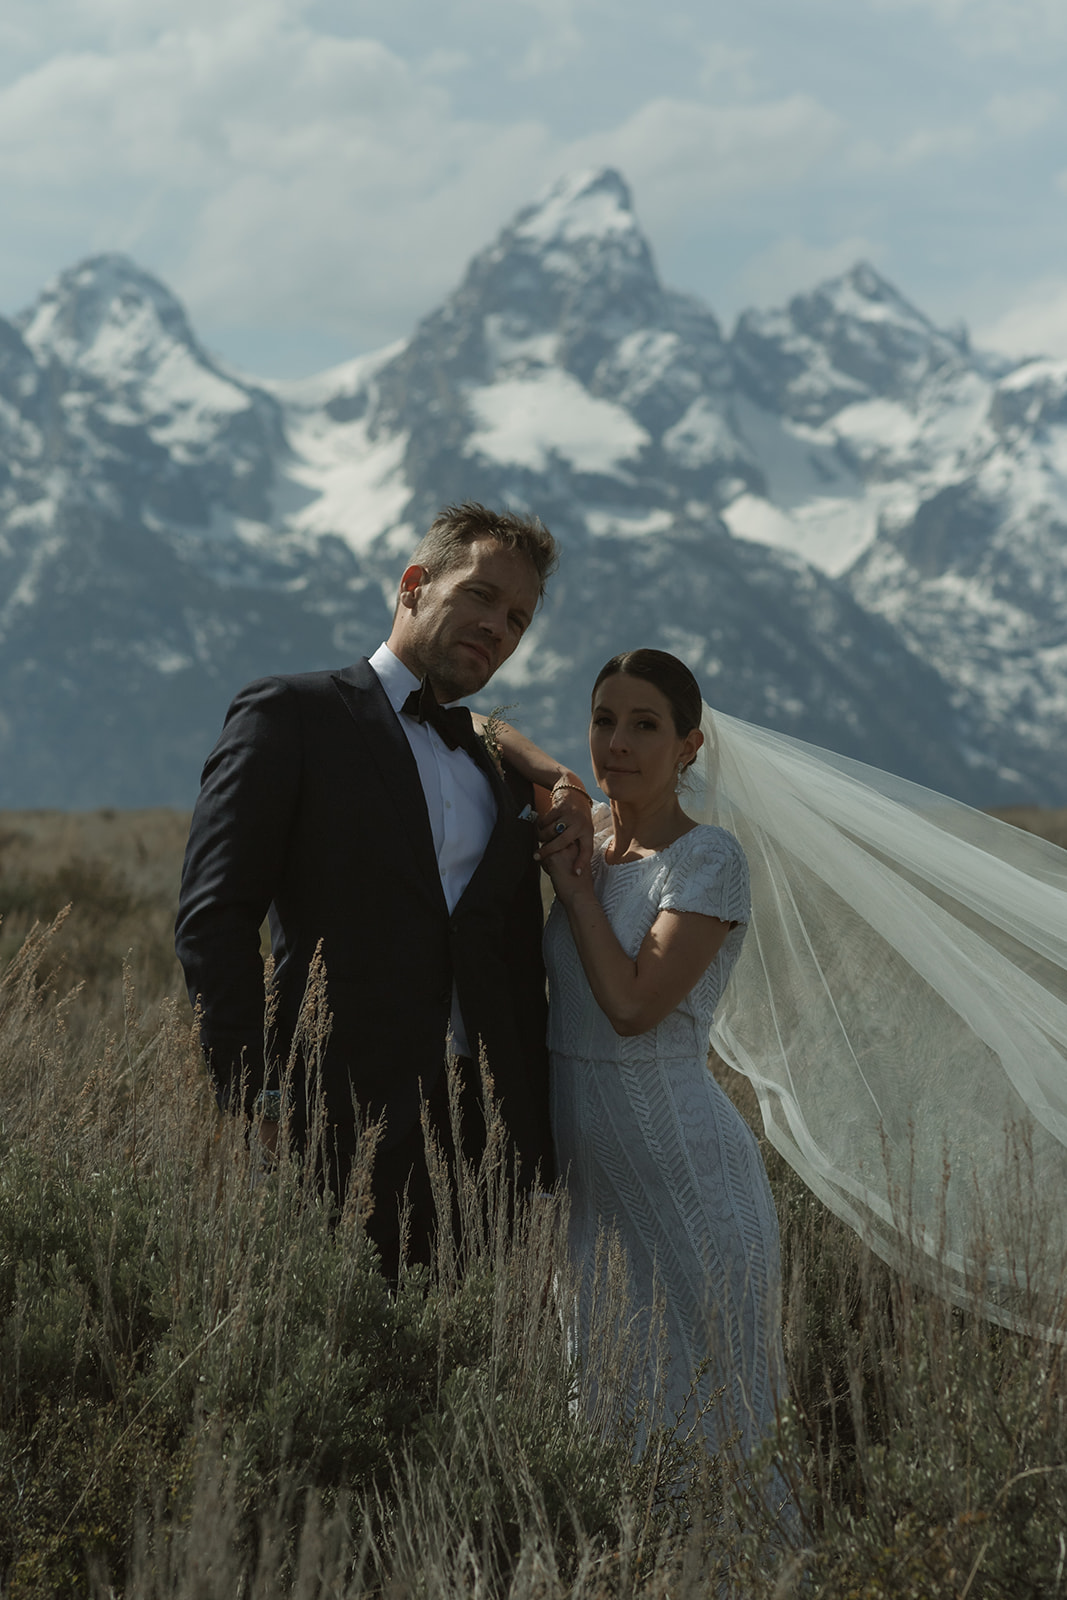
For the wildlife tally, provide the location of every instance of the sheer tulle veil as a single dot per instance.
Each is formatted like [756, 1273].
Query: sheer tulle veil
[900, 1005]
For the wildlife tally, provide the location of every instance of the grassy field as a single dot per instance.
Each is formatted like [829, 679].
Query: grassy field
[206, 1391]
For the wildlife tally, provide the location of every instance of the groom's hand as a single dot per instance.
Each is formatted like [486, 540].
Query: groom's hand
[568, 880]
[567, 826]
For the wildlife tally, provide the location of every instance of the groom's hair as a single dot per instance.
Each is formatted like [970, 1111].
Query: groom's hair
[456, 527]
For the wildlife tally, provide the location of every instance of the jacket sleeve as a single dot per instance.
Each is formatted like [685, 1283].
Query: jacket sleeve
[235, 856]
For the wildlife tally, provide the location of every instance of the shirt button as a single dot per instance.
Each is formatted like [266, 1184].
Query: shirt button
[448, 805]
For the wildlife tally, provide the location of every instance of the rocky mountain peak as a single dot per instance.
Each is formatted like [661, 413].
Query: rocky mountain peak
[871, 332]
[849, 339]
[106, 317]
[1030, 400]
[128, 375]
[870, 557]
[18, 370]
[592, 204]
[574, 265]
[566, 297]
[569, 276]
[863, 294]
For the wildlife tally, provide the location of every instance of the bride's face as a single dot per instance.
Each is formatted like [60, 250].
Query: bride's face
[633, 743]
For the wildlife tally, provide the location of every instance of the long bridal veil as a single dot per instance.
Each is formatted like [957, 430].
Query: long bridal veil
[900, 1005]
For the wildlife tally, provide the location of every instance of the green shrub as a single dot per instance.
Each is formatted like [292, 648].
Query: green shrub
[206, 1388]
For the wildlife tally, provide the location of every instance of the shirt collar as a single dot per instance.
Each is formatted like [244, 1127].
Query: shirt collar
[396, 679]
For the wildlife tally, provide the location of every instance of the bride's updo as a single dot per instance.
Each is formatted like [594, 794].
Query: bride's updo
[666, 673]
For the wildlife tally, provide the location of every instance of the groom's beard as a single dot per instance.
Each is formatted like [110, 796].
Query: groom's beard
[454, 670]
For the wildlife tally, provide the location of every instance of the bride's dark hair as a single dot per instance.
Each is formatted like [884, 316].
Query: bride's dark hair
[666, 673]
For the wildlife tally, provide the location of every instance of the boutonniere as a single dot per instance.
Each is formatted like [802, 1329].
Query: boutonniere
[489, 736]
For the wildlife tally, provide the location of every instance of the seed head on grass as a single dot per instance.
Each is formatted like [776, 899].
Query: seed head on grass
[206, 1387]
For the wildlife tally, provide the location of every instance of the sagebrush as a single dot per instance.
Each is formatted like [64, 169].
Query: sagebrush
[207, 1389]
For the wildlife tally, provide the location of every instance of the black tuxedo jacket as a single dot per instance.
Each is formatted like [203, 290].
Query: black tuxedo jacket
[311, 807]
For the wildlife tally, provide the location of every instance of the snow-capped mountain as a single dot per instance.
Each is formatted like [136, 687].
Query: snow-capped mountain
[847, 521]
[934, 480]
[141, 572]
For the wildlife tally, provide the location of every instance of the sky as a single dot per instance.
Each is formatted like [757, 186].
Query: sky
[311, 176]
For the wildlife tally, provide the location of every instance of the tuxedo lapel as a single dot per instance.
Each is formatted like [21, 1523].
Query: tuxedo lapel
[511, 843]
[382, 741]
[510, 847]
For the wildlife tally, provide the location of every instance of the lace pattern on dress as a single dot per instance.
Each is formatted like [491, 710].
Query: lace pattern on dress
[652, 1150]
[703, 871]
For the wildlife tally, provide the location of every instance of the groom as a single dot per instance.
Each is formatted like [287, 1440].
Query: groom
[377, 831]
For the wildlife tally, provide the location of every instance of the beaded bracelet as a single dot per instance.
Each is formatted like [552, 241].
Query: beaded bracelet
[564, 785]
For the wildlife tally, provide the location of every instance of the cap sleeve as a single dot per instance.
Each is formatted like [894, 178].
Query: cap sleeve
[710, 877]
[601, 821]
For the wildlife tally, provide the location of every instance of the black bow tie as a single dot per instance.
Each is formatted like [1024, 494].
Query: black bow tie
[453, 723]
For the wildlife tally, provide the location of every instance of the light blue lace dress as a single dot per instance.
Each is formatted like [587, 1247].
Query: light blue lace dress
[650, 1146]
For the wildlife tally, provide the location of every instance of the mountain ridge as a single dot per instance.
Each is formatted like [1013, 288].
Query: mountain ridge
[846, 519]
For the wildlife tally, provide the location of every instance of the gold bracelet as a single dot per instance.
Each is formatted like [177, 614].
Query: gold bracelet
[563, 784]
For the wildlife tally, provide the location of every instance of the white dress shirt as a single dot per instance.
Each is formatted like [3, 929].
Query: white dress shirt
[459, 800]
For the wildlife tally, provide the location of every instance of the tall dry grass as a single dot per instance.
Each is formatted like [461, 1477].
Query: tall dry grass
[207, 1390]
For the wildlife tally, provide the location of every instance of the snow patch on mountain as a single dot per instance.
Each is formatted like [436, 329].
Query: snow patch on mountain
[45, 550]
[528, 421]
[107, 318]
[622, 525]
[337, 388]
[699, 437]
[851, 524]
[183, 401]
[590, 204]
[341, 482]
[829, 533]
[531, 667]
[511, 349]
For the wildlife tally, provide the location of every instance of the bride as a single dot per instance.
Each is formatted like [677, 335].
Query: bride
[638, 951]
[900, 1007]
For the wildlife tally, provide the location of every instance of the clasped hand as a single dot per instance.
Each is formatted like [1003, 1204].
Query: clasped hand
[565, 849]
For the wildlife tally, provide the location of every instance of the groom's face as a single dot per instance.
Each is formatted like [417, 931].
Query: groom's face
[458, 627]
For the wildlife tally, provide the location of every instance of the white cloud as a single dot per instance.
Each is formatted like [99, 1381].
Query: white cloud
[360, 235]
[109, 26]
[1023, 111]
[558, 40]
[726, 66]
[1035, 326]
[917, 149]
[285, 176]
[184, 102]
[993, 27]
[682, 154]
[443, 63]
[1007, 115]
[298, 168]
[312, 175]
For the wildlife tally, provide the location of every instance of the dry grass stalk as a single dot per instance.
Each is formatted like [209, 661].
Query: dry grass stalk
[206, 1389]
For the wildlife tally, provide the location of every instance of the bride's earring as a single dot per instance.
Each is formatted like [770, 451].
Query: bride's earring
[678, 777]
